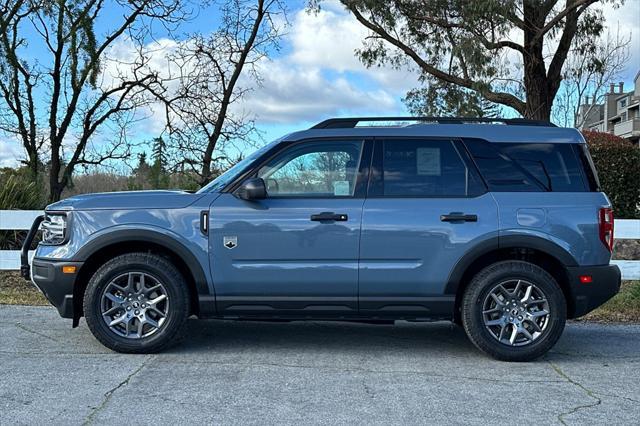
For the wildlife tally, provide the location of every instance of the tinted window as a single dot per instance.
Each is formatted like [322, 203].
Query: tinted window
[527, 166]
[314, 169]
[416, 168]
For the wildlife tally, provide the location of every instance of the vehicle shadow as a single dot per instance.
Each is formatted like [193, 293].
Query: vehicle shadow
[323, 336]
[426, 339]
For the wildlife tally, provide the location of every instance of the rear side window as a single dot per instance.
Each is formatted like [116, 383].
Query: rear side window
[522, 167]
[425, 168]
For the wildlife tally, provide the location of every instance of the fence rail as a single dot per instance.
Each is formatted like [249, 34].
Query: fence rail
[22, 220]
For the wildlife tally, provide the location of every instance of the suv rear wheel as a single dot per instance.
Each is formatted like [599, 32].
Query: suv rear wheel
[514, 311]
[136, 303]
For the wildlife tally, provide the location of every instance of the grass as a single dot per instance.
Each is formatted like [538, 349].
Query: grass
[15, 290]
[624, 307]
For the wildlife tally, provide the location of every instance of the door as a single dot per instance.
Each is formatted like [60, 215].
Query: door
[426, 207]
[294, 253]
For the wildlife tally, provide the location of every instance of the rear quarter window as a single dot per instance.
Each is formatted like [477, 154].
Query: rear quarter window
[525, 167]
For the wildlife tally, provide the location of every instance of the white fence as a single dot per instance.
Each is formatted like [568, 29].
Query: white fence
[22, 220]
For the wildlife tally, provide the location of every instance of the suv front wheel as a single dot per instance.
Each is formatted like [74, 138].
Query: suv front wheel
[514, 311]
[136, 303]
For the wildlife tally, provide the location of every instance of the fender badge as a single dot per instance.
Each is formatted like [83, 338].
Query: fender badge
[230, 242]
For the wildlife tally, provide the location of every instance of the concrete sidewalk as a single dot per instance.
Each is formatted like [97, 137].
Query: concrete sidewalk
[320, 373]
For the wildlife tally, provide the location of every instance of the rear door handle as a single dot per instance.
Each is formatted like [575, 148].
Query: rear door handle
[458, 217]
[329, 216]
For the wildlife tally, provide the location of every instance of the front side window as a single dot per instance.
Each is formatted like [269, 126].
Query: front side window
[313, 169]
[426, 168]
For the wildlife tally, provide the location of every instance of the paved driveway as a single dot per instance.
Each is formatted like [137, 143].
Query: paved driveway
[321, 373]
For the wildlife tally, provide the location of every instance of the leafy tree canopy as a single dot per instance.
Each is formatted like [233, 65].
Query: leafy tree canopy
[508, 52]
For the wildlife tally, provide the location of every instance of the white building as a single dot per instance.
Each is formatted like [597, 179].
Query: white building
[620, 113]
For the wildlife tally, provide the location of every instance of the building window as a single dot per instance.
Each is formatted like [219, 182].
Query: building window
[623, 103]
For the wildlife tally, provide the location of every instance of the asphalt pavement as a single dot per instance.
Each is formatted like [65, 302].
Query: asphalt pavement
[311, 373]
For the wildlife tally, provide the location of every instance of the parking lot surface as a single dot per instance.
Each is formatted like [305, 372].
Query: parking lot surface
[312, 373]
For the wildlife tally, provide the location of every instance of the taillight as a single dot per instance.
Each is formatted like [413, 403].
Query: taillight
[606, 227]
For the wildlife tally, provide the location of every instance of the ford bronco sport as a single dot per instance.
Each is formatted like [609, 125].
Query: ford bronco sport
[497, 225]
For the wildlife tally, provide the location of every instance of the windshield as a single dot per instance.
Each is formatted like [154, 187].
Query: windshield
[221, 181]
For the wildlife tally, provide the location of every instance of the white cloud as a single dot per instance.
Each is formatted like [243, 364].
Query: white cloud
[321, 76]
[293, 93]
[10, 153]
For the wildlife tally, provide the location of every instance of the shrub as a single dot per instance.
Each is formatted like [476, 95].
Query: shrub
[16, 192]
[618, 163]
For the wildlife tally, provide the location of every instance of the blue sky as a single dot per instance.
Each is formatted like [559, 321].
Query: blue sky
[315, 75]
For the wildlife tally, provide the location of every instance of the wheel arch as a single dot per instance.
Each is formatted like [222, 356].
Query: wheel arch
[98, 251]
[539, 251]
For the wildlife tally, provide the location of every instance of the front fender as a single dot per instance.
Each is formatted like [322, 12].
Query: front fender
[194, 255]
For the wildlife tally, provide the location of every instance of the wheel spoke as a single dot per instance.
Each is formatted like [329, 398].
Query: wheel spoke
[494, 322]
[152, 289]
[152, 322]
[538, 314]
[514, 334]
[140, 328]
[495, 297]
[526, 333]
[503, 330]
[535, 326]
[527, 294]
[517, 289]
[130, 285]
[158, 299]
[113, 298]
[117, 321]
[506, 293]
[111, 310]
[492, 310]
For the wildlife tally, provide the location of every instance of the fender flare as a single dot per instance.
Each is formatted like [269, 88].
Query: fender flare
[504, 242]
[155, 237]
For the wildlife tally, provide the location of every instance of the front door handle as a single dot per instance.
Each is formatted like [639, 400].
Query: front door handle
[458, 217]
[329, 217]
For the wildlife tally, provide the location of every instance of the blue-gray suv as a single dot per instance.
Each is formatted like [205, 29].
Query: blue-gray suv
[497, 225]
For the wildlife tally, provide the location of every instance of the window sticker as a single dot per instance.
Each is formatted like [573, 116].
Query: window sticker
[341, 187]
[428, 161]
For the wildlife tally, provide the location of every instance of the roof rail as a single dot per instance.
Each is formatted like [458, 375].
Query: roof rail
[347, 123]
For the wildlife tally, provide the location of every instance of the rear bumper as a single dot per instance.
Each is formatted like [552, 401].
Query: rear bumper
[57, 286]
[604, 285]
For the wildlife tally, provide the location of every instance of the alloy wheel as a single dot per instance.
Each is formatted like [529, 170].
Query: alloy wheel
[516, 312]
[134, 305]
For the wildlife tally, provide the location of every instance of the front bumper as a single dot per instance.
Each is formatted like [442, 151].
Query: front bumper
[57, 286]
[604, 285]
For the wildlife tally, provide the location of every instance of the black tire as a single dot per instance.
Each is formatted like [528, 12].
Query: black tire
[486, 281]
[177, 312]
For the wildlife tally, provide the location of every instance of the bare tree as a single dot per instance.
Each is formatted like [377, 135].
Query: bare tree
[591, 65]
[206, 73]
[57, 103]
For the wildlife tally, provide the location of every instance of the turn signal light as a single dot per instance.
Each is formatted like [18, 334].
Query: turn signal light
[68, 269]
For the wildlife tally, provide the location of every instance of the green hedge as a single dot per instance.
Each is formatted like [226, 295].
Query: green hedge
[618, 163]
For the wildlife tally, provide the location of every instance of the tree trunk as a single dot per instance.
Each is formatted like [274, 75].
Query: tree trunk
[55, 189]
[538, 97]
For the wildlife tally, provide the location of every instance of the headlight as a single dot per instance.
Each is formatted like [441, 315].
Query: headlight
[54, 229]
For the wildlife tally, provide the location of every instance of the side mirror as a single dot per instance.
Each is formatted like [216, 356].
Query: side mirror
[252, 189]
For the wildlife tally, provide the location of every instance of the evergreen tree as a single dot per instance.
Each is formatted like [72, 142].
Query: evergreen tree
[158, 174]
